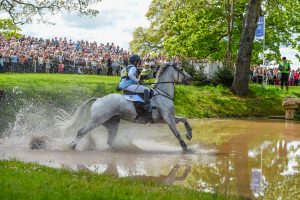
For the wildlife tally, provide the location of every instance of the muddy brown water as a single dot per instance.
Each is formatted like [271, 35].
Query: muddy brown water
[258, 159]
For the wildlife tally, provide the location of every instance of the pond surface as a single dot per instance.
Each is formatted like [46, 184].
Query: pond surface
[250, 158]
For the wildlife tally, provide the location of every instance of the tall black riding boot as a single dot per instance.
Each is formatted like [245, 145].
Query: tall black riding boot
[147, 105]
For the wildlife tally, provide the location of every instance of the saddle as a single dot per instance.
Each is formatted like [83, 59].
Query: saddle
[141, 103]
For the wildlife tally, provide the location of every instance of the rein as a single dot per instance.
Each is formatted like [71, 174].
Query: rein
[164, 94]
[152, 83]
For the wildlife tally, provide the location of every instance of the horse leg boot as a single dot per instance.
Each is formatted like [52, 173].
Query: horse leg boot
[189, 133]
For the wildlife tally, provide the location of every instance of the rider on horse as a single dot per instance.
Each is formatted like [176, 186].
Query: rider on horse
[129, 82]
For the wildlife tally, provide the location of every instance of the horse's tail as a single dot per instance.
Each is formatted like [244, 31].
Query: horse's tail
[66, 123]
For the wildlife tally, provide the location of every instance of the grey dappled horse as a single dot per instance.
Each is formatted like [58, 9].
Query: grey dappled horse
[110, 109]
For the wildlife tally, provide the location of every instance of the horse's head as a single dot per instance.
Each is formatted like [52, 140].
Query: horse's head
[175, 73]
[181, 76]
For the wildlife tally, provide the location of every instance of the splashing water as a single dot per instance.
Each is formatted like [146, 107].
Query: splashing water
[51, 124]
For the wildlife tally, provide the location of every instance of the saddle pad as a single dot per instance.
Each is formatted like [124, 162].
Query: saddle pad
[134, 97]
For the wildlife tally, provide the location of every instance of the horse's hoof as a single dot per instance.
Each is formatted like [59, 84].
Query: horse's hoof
[69, 147]
[187, 150]
[73, 147]
[189, 135]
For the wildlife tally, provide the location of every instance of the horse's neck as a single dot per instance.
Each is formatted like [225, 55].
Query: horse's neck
[167, 88]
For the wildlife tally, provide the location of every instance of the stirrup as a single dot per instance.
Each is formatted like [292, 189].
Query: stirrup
[148, 108]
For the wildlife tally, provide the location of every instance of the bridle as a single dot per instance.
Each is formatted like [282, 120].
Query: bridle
[161, 92]
[179, 71]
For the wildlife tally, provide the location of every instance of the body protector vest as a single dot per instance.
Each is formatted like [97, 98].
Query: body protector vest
[124, 71]
[284, 68]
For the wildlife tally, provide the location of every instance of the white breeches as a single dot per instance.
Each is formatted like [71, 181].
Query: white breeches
[137, 88]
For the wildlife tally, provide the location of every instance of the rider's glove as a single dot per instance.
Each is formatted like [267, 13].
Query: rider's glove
[140, 82]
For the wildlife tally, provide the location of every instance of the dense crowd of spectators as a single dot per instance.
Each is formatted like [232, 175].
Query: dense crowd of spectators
[271, 76]
[59, 55]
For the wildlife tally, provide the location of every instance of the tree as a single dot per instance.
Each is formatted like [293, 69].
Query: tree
[194, 29]
[22, 11]
[241, 78]
[212, 29]
[145, 41]
[283, 23]
[8, 29]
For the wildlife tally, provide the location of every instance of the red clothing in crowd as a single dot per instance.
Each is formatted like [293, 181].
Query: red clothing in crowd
[296, 75]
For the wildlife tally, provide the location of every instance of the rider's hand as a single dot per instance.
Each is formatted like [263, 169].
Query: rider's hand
[140, 82]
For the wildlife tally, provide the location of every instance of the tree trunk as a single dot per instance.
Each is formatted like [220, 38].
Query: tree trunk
[241, 78]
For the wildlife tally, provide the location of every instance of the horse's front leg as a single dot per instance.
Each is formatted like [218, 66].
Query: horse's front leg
[189, 133]
[170, 120]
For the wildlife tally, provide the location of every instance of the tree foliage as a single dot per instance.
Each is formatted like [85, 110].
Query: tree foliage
[280, 31]
[23, 11]
[8, 29]
[210, 29]
[191, 29]
[144, 41]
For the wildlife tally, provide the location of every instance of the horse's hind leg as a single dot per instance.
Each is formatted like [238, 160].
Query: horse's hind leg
[83, 131]
[112, 126]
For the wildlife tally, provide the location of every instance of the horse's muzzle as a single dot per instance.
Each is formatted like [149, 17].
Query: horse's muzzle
[188, 80]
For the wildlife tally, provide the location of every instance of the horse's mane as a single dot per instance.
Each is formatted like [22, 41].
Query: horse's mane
[161, 69]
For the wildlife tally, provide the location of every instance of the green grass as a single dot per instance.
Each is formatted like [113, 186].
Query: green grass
[219, 102]
[190, 101]
[68, 91]
[30, 181]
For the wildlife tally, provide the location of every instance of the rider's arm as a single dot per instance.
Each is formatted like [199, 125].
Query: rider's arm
[132, 74]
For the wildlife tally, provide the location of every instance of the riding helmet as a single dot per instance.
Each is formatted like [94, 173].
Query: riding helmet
[134, 59]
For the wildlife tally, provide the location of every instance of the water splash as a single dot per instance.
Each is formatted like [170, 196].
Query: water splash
[33, 120]
[36, 120]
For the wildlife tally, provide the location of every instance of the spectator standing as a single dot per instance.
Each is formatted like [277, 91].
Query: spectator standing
[40, 64]
[296, 78]
[270, 77]
[109, 67]
[48, 65]
[60, 68]
[291, 78]
[94, 66]
[22, 63]
[115, 67]
[6, 60]
[14, 62]
[285, 69]
[275, 76]
[34, 64]
[1, 64]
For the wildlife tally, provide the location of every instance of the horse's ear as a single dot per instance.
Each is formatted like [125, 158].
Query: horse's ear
[160, 70]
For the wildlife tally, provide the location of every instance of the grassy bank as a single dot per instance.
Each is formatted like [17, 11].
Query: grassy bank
[30, 181]
[194, 102]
